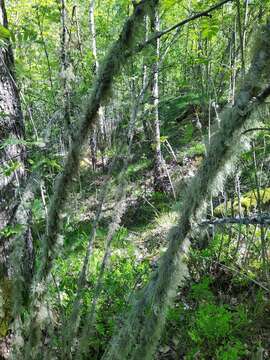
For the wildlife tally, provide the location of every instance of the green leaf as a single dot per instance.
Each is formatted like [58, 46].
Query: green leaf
[11, 230]
[4, 32]
[163, 138]
[14, 141]
[12, 166]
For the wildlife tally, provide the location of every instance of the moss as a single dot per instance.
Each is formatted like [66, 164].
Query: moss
[136, 171]
[248, 203]
[85, 163]
[196, 150]
[6, 305]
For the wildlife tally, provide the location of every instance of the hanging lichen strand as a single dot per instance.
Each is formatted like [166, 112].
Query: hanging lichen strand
[141, 331]
[109, 68]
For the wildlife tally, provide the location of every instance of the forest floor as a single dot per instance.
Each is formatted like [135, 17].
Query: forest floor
[222, 312]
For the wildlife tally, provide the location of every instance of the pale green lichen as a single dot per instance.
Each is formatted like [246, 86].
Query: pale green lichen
[109, 68]
[248, 203]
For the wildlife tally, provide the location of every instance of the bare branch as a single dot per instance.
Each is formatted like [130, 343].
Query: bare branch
[263, 220]
[159, 34]
[255, 129]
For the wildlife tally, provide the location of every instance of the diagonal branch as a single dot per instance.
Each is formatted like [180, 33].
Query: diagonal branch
[108, 70]
[159, 34]
[255, 129]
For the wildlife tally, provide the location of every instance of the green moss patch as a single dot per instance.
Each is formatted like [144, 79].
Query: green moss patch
[248, 203]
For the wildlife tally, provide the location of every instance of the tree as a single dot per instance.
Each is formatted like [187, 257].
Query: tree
[159, 162]
[17, 253]
[12, 151]
[98, 136]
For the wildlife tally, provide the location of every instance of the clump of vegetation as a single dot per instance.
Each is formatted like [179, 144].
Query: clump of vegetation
[249, 203]
[124, 275]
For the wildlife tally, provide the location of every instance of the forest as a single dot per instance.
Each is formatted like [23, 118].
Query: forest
[134, 179]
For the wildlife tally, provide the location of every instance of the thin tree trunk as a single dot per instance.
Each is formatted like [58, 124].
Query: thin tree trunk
[100, 134]
[44, 45]
[158, 166]
[241, 37]
[146, 124]
[65, 64]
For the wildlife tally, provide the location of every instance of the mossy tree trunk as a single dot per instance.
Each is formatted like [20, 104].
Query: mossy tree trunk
[109, 68]
[12, 153]
[16, 245]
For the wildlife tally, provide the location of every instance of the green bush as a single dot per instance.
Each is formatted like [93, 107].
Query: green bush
[201, 290]
[212, 325]
[122, 276]
[231, 351]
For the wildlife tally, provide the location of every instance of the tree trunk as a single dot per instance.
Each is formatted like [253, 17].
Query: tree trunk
[12, 152]
[159, 170]
[99, 135]
[65, 64]
[16, 246]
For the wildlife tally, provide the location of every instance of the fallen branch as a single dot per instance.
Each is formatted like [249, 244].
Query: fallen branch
[263, 220]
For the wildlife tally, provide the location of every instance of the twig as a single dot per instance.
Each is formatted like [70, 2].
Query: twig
[152, 206]
[242, 274]
[255, 129]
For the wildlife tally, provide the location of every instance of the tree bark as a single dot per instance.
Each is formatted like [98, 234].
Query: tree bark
[12, 151]
[158, 165]
[16, 245]
[99, 134]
